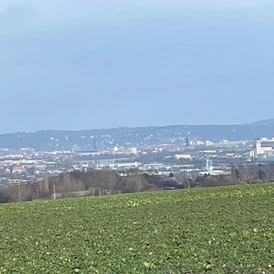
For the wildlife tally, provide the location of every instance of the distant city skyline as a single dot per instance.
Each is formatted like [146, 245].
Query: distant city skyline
[73, 65]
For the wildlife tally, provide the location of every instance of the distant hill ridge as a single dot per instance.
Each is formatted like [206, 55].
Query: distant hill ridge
[136, 136]
[267, 122]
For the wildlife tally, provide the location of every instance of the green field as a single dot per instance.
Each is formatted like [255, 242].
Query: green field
[214, 230]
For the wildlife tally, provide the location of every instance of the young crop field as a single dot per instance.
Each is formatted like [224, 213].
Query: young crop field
[213, 230]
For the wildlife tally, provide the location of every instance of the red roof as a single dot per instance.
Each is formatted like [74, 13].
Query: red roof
[19, 168]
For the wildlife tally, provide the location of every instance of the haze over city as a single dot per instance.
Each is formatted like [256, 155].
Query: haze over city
[93, 64]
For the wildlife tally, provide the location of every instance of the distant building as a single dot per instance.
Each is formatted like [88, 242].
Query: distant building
[87, 153]
[214, 173]
[209, 143]
[263, 148]
[183, 156]
[122, 166]
[18, 170]
[209, 165]
[187, 141]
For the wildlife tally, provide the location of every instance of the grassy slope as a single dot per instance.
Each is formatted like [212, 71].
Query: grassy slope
[219, 230]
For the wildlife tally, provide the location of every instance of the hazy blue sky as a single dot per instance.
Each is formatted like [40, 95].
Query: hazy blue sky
[75, 64]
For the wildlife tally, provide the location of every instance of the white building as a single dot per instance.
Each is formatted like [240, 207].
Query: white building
[124, 166]
[262, 149]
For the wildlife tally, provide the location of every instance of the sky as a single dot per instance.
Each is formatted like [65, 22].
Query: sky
[83, 64]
